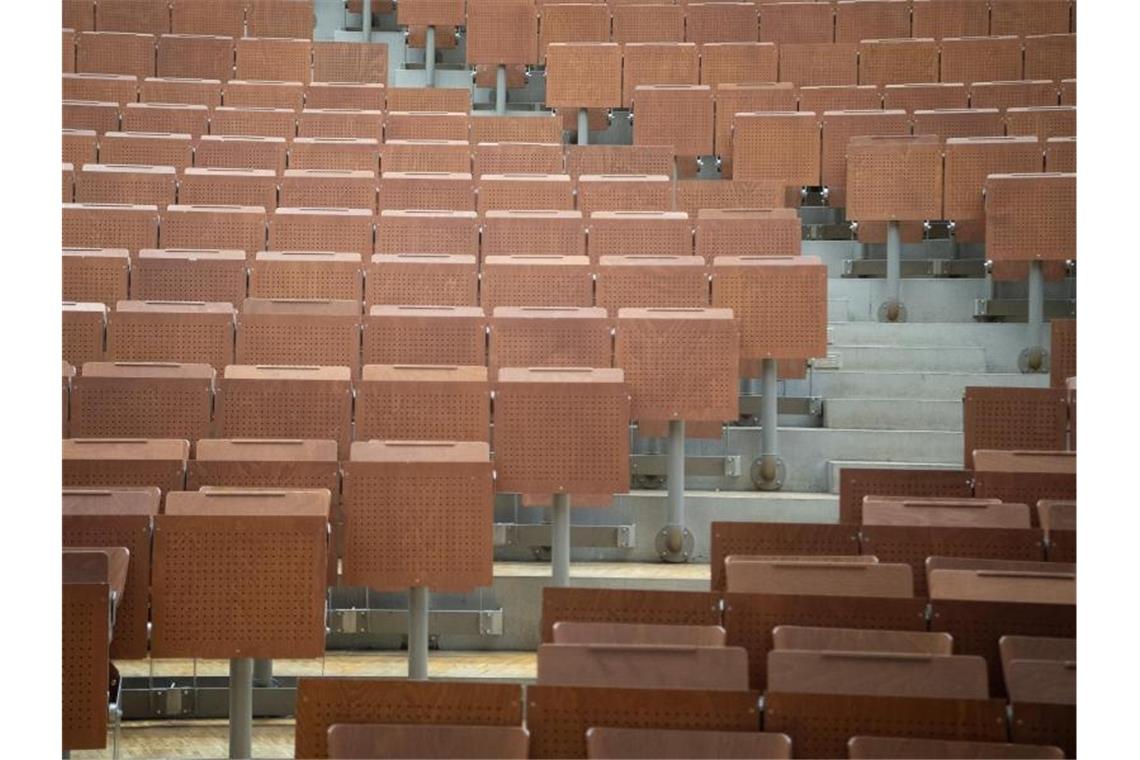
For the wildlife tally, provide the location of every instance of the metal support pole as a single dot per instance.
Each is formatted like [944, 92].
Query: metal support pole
[560, 540]
[429, 56]
[1033, 359]
[366, 20]
[892, 310]
[419, 603]
[241, 707]
[583, 127]
[501, 88]
[768, 470]
[262, 673]
[674, 542]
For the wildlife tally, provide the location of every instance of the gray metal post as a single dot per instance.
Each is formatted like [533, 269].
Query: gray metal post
[583, 127]
[366, 20]
[674, 543]
[241, 707]
[263, 673]
[429, 56]
[1033, 358]
[768, 470]
[501, 88]
[419, 603]
[892, 310]
[560, 540]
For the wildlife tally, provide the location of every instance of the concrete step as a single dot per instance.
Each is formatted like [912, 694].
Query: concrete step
[892, 414]
[853, 384]
[1001, 342]
[907, 358]
[835, 465]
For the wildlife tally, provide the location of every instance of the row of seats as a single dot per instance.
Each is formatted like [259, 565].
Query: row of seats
[234, 18]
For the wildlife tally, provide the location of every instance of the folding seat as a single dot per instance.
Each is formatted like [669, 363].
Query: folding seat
[427, 231]
[426, 125]
[649, 22]
[106, 88]
[1061, 156]
[294, 332]
[1027, 17]
[840, 98]
[172, 331]
[640, 611]
[129, 183]
[422, 279]
[811, 64]
[732, 99]
[858, 20]
[884, 61]
[110, 225]
[254, 122]
[84, 325]
[651, 281]
[280, 18]
[866, 747]
[536, 280]
[543, 231]
[1023, 419]
[738, 63]
[203, 92]
[959, 122]
[694, 195]
[307, 275]
[427, 190]
[350, 62]
[250, 401]
[497, 192]
[195, 56]
[220, 17]
[839, 127]
[566, 86]
[546, 336]
[340, 123]
[179, 118]
[950, 18]
[235, 228]
[274, 58]
[747, 232]
[345, 230]
[68, 48]
[500, 32]
[79, 15]
[242, 94]
[241, 151]
[1018, 94]
[320, 188]
[115, 53]
[981, 59]
[540, 128]
[422, 403]
[925, 97]
[856, 483]
[95, 275]
[676, 115]
[362, 97]
[629, 742]
[624, 192]
[339, 153]
[1043, 121]
[639, 233]
[777, 146]
[132, 16]
[765, 576]
[90, 114]
[234, 187]
[425, 335]
[794, 23]
[894, 178]
[588, 22]
[509, 157]
[142, 400]
[1051, 56]
[68, 189]
[721, 22]
[766, 541]
[619, 159]
[649, 63]
[716, 669]
[93, 463]
[188, 274]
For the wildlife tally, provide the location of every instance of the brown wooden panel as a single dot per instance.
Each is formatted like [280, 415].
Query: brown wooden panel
[897, 61]
[871, 20]
[950, 18]
[502, 31]
[429, 279]
[296, 331]
[244, 151]
[568, 86]
[447, 335]
[1014, 419]
[882, 747]
[125, 463]
[423, 403]
[981, 59]
[747, 232]
[647, 281]
[772, 539]
[878, 170]
[400, 740]
[684, 743]
[274, 58]
[536, 280]
[887, 674]
[85, 663]
[627, 606]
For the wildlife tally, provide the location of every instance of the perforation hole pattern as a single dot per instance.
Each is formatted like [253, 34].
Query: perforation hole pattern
[305, 232]
[214, 230]
[82, 337]
[350, 62]
[782, 148]
[337, 157]
[152, 408]
[647, 286]
[1014, 418]
[585, 605]
[230, 190]
[439, 411]
[146, 151]
[427, 235]
[855, 483]
[306, 279]
[658, 64]
[522, 342]
[507, 236]
[202, 280]
[768, 539]
[102, 280]
[196, 57]
[102, 473]
[244, 154]
[302, 340]
[130, 228]
[451, 341]
[415, 284]
[285, 409]
[602, 195]
[781, 313]
[539, 285]
[84, 665]
[225, 121]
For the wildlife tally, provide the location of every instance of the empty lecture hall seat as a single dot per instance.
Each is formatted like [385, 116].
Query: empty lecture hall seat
[1043, 121]
[84, 327]
[678, 743]
[258, 122]
[676, 115]
[1041, 676]
[79, 15]
[950, 18]
[349, 62]
[1061, 155]
[558, 22]
[878, 170]
[820, 63]
[241, 151]
[514, 157]
[546, 336]
[624, 192]
[886, 673]
[499, 192]
[800, 22]
[345, 230]
[126, 183]
[334, 153]
[648, 63]
[857, 20]
[427, 279]
[651, 22]
[879, 747]
[225, 227]
[360, 96]
[441, 99]
[831, 543]
[182, 118]
[1025, 476]
[747, 232]
[694, 195]
[487, 128]
[427, 156]
[536, 280]
[928, 96]
[731, 99]
[396, 740]
[428, 231]
[318, 188]
[271, 58]
[502, 33]
[509, 232]
[852, 97]
[96, 463]
[110, 225]
[808, 638]
[132, 16]
[115, 53]
[897, 61]
[96, 275]
[855, 483]
[306, 275]
[633, 233]
[113, 88]
[79, 146]
[195, 56]
[449, 191]
[981, 59]
[172, 331]
[404, 402]
[280, 18]
[219, 17]
[777, 146]
[428, 335]
[147, 148]
[250, 402]
[738, 62]
[190, 274]
[566, 88]
[651, 281]
[293, 331]
[1017, 94]
[807, 576]
[644, 666]
[243, 94]
[236, 187]
[720, 22]
[618, 159]
[430, 125]
[340, 122]
[1026, 17]
[967, 163]
[1031, 216]
[636, 609]
[959, 122]
[97, 116]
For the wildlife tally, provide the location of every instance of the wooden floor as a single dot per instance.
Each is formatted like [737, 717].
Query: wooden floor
[274, 738]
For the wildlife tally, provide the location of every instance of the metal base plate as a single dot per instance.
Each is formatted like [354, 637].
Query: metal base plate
[1033, 360]
[765, 484]
[663, 540]
[892, 311]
